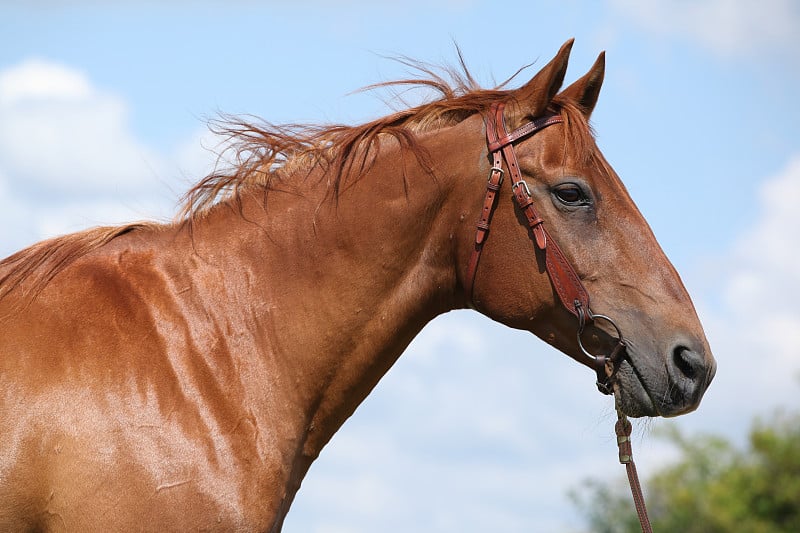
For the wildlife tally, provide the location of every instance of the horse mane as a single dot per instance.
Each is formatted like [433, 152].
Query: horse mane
[264, 154]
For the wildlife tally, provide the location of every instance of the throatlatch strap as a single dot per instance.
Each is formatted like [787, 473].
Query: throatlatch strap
[493, 185]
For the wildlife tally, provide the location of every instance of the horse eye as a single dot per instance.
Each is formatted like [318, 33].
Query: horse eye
[570, 194]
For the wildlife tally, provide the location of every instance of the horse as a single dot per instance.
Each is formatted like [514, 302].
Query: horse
[185, 375]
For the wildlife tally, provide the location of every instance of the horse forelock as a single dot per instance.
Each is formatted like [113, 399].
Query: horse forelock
[579, 137]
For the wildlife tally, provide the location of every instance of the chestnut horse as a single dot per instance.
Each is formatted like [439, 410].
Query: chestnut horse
[184, 376]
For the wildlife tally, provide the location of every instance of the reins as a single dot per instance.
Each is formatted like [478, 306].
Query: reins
[567, 284]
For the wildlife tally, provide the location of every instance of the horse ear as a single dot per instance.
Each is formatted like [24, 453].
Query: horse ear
[533, 98]
[585, 90]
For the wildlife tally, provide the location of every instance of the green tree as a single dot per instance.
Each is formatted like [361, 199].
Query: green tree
[713, 487]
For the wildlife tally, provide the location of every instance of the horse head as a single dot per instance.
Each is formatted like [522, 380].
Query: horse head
[611, 288]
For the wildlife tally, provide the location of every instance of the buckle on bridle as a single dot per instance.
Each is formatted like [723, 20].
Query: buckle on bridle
[492, 171]
[524, 185]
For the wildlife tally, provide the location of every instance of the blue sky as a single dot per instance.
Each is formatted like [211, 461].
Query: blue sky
[102, 120]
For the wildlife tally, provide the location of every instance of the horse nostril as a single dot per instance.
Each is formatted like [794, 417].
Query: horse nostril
[689, 373]
[686, 361]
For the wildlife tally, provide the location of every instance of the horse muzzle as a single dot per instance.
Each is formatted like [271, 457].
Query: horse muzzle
[674, 388]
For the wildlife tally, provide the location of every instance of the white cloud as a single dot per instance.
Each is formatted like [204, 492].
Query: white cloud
[41, 80]
[69, 158]
[756, 329]
[15, 217]
[727, 28]
[768, 248]
[60, 134]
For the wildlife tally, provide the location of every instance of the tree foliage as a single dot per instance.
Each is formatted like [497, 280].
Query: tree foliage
[713, 487]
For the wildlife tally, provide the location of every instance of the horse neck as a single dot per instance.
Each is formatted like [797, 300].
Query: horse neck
[341, 286]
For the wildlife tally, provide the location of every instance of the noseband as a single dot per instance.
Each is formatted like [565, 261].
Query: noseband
[566, 283]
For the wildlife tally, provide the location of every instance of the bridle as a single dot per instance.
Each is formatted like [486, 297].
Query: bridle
[566, 282]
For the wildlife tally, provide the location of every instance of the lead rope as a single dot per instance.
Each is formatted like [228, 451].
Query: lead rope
[623, 430]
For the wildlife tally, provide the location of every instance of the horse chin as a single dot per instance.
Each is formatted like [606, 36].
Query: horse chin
[634, 398]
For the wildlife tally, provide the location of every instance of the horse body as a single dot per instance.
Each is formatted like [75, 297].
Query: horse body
[215, 358]
[185, 376]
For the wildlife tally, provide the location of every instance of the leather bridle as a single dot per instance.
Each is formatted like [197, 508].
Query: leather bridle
[566, 282]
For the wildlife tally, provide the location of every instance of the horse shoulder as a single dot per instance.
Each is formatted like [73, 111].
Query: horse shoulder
[104, 389]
